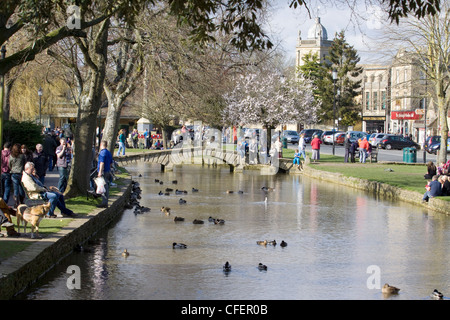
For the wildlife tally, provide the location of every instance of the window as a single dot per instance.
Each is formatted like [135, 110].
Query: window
[383, 100]
[375, 100]
[397, 75]
[367, 100]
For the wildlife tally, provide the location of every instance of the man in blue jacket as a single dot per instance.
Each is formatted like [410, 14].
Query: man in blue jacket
[434, 189]
[104, 169]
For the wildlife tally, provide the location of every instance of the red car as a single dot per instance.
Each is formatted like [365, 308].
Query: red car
[339, 139]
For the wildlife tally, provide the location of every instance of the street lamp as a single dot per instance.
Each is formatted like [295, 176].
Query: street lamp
[40, 96]
[334, 76]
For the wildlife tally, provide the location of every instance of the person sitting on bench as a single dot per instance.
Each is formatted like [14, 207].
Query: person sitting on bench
[35, 188]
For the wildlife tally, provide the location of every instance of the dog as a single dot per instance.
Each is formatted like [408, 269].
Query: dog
[33, 215]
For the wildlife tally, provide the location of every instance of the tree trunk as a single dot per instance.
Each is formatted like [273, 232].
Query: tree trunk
[112, 120]
[87, 116]
[442, 154]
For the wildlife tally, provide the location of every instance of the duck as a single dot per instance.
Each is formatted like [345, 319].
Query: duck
[283, 244]
[230, 191]
[267, 189]
[166, 210]
[211, 219]
[160, 193]
[178, 191]
[196, 221]
[125, 253]
[174, 181]
[166, 193]
[241, 192]
[194, 190]
[219, 221]
[227, 267]
[157, 180]
[145, 209]
[169, 189]
[178, 219]
[161, 182]
[437, 295]
[262, 266]
[274, 243]
[182, 201]
[179, 245]
[262, 243]
[389, 289]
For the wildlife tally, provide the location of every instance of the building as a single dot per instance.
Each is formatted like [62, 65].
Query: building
[316, 42]
[375, 93]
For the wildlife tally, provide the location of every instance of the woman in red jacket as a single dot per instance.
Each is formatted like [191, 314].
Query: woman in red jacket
[315, 145]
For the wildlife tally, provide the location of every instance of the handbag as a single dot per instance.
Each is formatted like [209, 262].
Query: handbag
[100, 182]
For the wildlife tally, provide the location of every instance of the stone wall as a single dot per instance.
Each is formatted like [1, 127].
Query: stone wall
[378, 188]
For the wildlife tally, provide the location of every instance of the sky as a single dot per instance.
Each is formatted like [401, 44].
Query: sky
[360, 25]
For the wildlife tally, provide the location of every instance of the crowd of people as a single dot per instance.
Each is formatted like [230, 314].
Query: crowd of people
[22, 167]
[438, 180]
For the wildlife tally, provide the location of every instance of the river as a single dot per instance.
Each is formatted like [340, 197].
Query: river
[342, 243]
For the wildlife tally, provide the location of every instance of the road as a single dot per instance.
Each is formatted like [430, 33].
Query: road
[383, 155]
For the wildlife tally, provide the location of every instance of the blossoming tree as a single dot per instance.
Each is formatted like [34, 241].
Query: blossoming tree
[269, 99]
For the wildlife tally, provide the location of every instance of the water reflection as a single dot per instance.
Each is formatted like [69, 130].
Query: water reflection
[333, 233]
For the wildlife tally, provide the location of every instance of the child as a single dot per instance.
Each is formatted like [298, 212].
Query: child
[297, 159]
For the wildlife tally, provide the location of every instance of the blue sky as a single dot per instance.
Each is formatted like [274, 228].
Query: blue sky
[360, 25]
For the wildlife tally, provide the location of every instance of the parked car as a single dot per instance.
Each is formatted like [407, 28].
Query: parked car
[392, 141]
[327, 137]
[432, 140]
[434, 147]
[340, 138]
[309, 134]
[377, 139]
[291, 136]
[356, 135]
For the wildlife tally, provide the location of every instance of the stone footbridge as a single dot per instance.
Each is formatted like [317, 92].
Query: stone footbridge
[206, 156]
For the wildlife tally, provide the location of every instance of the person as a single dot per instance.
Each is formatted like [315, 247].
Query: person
[50, 146]
[40, 162]
[315, 145]
[62, 163]
[134, 138]
[241, 151]
[431, 170]
[363, 147]
[252, 151]
[121, 140]
[433, 189]
[297, 158]
[6, 171]
[442, 169]
[27, 153]
[104, 170]
[278, 147]
[347, 146]
[35, 189]
[353, 150]
[445, 185]
[302, 146]
[16, 165]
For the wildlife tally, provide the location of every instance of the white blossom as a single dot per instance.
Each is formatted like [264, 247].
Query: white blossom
[270, 100]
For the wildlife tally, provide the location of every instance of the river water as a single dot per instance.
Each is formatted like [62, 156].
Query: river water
[342, 243]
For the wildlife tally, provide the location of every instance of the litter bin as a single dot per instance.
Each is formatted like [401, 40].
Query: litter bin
[409, 155]
[284, 140]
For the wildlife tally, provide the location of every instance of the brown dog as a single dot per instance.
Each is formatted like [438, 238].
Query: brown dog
[33, 215]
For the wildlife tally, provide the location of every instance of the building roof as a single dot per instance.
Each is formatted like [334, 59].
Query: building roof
[317, 31]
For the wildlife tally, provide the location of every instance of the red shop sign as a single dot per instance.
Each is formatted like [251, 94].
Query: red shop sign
[405, 115]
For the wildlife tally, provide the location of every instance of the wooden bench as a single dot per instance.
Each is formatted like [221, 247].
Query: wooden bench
[32, 202]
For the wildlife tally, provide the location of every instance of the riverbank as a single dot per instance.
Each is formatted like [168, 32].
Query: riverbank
[36, 257]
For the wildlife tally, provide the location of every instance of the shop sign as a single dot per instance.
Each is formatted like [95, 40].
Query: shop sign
[405, 115]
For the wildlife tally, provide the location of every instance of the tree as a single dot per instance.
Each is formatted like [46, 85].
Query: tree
[344, 59]
[427, 41]
[270, 99]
